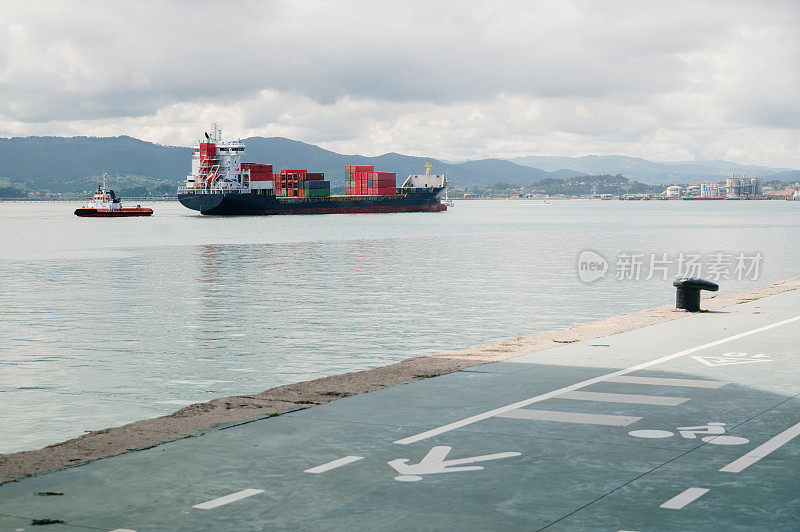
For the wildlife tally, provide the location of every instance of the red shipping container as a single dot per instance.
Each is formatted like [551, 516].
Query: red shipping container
[387, 191]
[259, 172]
[364, 168]
[315, 176]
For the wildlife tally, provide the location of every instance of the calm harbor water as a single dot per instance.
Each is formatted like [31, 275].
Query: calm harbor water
[104, 322]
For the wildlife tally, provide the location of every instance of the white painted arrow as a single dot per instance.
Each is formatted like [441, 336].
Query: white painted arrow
[434, 462]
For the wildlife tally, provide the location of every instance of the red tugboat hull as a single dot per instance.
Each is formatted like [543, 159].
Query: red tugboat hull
[116, 213]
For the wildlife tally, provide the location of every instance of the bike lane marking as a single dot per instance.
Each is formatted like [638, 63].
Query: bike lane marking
[624, 398]
[570, 417]
[662, 381]
[555, 393]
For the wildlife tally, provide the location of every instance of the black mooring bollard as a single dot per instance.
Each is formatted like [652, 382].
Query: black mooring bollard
[687, 297]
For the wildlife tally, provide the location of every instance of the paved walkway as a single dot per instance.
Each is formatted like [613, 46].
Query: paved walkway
[686, 425]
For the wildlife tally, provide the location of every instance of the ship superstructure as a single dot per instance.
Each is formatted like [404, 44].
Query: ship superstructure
[217, 166]
[222, 183]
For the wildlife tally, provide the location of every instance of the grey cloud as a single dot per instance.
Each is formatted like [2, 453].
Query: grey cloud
[497, 76]
[416, 52]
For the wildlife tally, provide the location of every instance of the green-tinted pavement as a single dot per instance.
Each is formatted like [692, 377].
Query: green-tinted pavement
[562, 459]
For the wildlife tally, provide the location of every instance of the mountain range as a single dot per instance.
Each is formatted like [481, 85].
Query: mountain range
[653, 172]
[69, 164]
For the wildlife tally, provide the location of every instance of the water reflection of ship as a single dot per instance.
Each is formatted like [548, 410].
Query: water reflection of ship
[209, 291]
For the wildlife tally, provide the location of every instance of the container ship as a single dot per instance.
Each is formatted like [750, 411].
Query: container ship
[221, 183]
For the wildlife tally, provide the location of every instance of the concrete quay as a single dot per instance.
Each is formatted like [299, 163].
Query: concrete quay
[684, 424]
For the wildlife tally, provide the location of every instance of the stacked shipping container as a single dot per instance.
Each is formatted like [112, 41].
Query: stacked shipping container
[316, 187]
[290, 183]
[302, 184]
[261, 176]
[364, 180]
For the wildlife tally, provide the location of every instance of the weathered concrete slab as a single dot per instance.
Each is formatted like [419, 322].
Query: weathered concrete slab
[458, 451]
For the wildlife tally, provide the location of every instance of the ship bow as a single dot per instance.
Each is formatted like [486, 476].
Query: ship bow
[200, 202]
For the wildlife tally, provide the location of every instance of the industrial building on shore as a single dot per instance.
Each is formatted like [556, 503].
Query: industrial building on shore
[731, 188]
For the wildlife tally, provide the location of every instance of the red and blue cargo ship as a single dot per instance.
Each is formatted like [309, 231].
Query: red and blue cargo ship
[222, 184]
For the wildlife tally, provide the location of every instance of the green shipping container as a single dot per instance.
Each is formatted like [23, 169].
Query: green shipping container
[318, 193]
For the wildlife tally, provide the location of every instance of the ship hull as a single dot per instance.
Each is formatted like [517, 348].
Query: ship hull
[425, 200]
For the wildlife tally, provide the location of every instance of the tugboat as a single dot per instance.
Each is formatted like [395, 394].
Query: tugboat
[105, 203]
[446, 201]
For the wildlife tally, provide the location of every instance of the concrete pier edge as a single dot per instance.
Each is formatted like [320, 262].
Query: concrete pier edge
[194, 419]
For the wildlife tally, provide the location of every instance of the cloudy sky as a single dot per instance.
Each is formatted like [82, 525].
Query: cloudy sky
[666, 81]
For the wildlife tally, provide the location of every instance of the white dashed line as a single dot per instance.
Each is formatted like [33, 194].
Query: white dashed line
[685, 497]
[208, 505]
[746, 460]
[334, 464]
